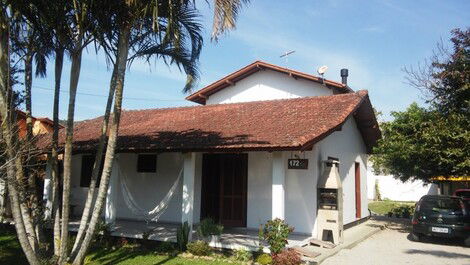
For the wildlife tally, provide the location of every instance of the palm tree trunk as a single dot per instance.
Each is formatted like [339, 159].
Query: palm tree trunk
[74, 76]
[28, 173]
[96, 168]
[21, 232]
[122, 52]
[28, 76]
[59, 62]
[7, 134]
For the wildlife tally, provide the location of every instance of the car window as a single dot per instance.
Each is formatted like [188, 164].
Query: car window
[441, 204]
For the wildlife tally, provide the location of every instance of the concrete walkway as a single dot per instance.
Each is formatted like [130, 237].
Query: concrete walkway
[393, 246]
[352, 237]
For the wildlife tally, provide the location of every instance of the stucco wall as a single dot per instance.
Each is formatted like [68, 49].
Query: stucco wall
[148, 189]
[268, 85]
[347, 145]
[301, 185]
[394, 189]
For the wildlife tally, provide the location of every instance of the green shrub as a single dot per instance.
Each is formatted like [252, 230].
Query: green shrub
[199, 248]
[207, 227]
[165, 247]
[402, 211]
[287, 257]
[275, 233]
[182, 235]
[242, 255]
[264, 259]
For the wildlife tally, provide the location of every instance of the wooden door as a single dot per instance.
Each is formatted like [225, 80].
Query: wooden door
[224, 188]
[357, 173]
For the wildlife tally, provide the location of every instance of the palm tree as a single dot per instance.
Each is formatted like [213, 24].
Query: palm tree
[27, 44]
[9, 136]
[171, 47]
[128, 21]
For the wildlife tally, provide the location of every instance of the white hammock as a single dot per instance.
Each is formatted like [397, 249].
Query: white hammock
[155, 213]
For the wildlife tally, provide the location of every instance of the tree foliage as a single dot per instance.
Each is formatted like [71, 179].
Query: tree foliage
[424, 142]
[421, 143]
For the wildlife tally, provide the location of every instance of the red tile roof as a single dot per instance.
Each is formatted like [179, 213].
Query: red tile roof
[201, 95]
[288, 124]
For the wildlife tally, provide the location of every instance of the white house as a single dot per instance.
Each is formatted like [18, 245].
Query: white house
[228, 158]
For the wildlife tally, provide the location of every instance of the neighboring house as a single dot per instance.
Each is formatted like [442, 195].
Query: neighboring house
[232, 152]
[396, 190]
[40, 125]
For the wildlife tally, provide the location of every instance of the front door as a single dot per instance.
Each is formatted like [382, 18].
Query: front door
[224, 186]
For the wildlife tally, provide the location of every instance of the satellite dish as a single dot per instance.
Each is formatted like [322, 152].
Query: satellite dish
[321, 70]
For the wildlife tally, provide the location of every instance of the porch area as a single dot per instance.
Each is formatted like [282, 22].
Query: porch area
[231, 238]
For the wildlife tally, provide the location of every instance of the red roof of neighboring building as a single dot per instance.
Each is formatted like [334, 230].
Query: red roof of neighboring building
[201, 95]
[288, 124]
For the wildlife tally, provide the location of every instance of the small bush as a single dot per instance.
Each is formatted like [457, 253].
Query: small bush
[275, 233]
[199, 248]
[207, 227]
[165, 248]
[402, 211]
[264, 259]
[287, 257]
[243, 255]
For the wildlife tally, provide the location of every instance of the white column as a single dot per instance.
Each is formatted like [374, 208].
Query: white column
[47, 192]
[278, 191]
[3, 198]
[110, 208]
[189, 172]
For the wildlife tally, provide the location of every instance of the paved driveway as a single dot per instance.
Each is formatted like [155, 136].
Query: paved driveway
[392, 246]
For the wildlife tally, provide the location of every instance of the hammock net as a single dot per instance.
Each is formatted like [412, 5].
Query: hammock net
[160, 207]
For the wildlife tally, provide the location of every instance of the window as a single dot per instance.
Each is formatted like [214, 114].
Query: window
[87, 170]
[147, 163]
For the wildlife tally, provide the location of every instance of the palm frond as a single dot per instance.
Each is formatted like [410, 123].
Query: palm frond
[225, 16]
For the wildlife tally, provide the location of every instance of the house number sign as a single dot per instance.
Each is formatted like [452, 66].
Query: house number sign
[297, 163]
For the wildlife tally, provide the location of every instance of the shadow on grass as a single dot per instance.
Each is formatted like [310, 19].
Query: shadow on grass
[169, 258]
[108, 257]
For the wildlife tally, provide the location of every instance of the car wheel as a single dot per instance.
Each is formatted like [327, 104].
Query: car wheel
[416, 237]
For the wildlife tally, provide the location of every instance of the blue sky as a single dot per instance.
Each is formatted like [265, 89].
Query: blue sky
[375, 39]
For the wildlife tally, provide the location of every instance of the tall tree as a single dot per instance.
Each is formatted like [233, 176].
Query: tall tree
[8, 123]
[130, 17]
[421, 143]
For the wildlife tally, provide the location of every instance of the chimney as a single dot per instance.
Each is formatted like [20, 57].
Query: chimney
[344, 76]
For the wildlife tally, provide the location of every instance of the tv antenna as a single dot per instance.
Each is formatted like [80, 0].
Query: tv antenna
[286, 55]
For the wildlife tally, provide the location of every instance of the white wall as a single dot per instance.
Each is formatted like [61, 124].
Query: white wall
[347, 145]
[301, 185]
[395, 189]
[268, 85]
[148, 189]
[300, 192]
[259, 188]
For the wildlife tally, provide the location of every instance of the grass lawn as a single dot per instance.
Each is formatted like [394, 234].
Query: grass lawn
[383, 207]
[11, 254]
